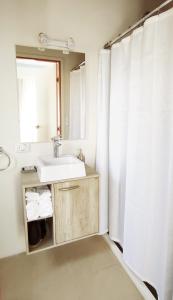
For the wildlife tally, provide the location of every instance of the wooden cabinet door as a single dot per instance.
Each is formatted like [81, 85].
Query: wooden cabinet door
[76, 209]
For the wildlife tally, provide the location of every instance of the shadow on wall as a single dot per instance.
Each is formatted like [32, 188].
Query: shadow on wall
[149, 5]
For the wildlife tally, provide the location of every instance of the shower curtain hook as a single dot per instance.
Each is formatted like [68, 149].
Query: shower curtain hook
[158, 12]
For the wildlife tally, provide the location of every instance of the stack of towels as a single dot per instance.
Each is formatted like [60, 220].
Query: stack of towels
[38, 203]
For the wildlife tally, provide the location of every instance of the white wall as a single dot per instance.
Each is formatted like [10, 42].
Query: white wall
[91, 23]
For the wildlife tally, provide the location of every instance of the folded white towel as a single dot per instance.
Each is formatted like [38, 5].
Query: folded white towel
[32, 210]
[32, 197]
[31, 193]
[44, 201]
[39, 203]
[44, 197]
[45, 208]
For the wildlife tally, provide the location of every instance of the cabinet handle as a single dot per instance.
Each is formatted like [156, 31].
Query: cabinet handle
[69, 188]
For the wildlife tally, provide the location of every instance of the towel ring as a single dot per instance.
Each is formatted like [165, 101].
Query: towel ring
[3, 152]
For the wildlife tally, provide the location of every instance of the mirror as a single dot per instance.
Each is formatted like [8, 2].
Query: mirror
[51, 94]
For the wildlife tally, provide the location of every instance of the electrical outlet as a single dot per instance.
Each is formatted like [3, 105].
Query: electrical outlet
[23, 148]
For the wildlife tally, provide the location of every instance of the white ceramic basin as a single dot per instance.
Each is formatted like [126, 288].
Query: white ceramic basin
[51, 169]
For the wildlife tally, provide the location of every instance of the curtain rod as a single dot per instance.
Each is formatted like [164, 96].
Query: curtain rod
[78, 67]
[120, 36]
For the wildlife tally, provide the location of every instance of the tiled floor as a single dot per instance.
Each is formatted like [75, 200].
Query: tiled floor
[84, 270]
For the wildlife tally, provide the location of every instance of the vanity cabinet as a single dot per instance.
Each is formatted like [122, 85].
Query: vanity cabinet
[76, 209]
[75, 205]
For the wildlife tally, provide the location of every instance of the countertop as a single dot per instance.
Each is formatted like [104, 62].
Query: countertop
[32, 179]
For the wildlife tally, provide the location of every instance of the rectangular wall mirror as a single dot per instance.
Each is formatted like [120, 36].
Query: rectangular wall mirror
[51, 94]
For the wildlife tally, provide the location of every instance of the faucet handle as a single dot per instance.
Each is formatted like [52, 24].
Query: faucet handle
[56, 138]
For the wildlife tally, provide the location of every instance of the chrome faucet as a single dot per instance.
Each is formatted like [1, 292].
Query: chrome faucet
[56, 145]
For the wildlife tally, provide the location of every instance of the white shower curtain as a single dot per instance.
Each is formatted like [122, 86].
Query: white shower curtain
[141, 151]
[77, 104]
[102, 136]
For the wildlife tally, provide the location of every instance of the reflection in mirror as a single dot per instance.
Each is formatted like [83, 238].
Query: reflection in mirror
[51, 94]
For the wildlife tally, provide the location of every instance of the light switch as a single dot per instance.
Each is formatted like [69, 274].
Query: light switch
[23, 148]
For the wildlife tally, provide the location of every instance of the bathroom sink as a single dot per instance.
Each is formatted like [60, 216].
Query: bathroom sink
[50, 168]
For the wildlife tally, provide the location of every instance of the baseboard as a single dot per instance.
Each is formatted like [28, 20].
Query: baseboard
[138, 283]
[103, 232]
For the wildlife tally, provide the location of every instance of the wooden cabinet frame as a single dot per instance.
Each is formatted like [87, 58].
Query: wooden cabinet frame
[83, 221]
